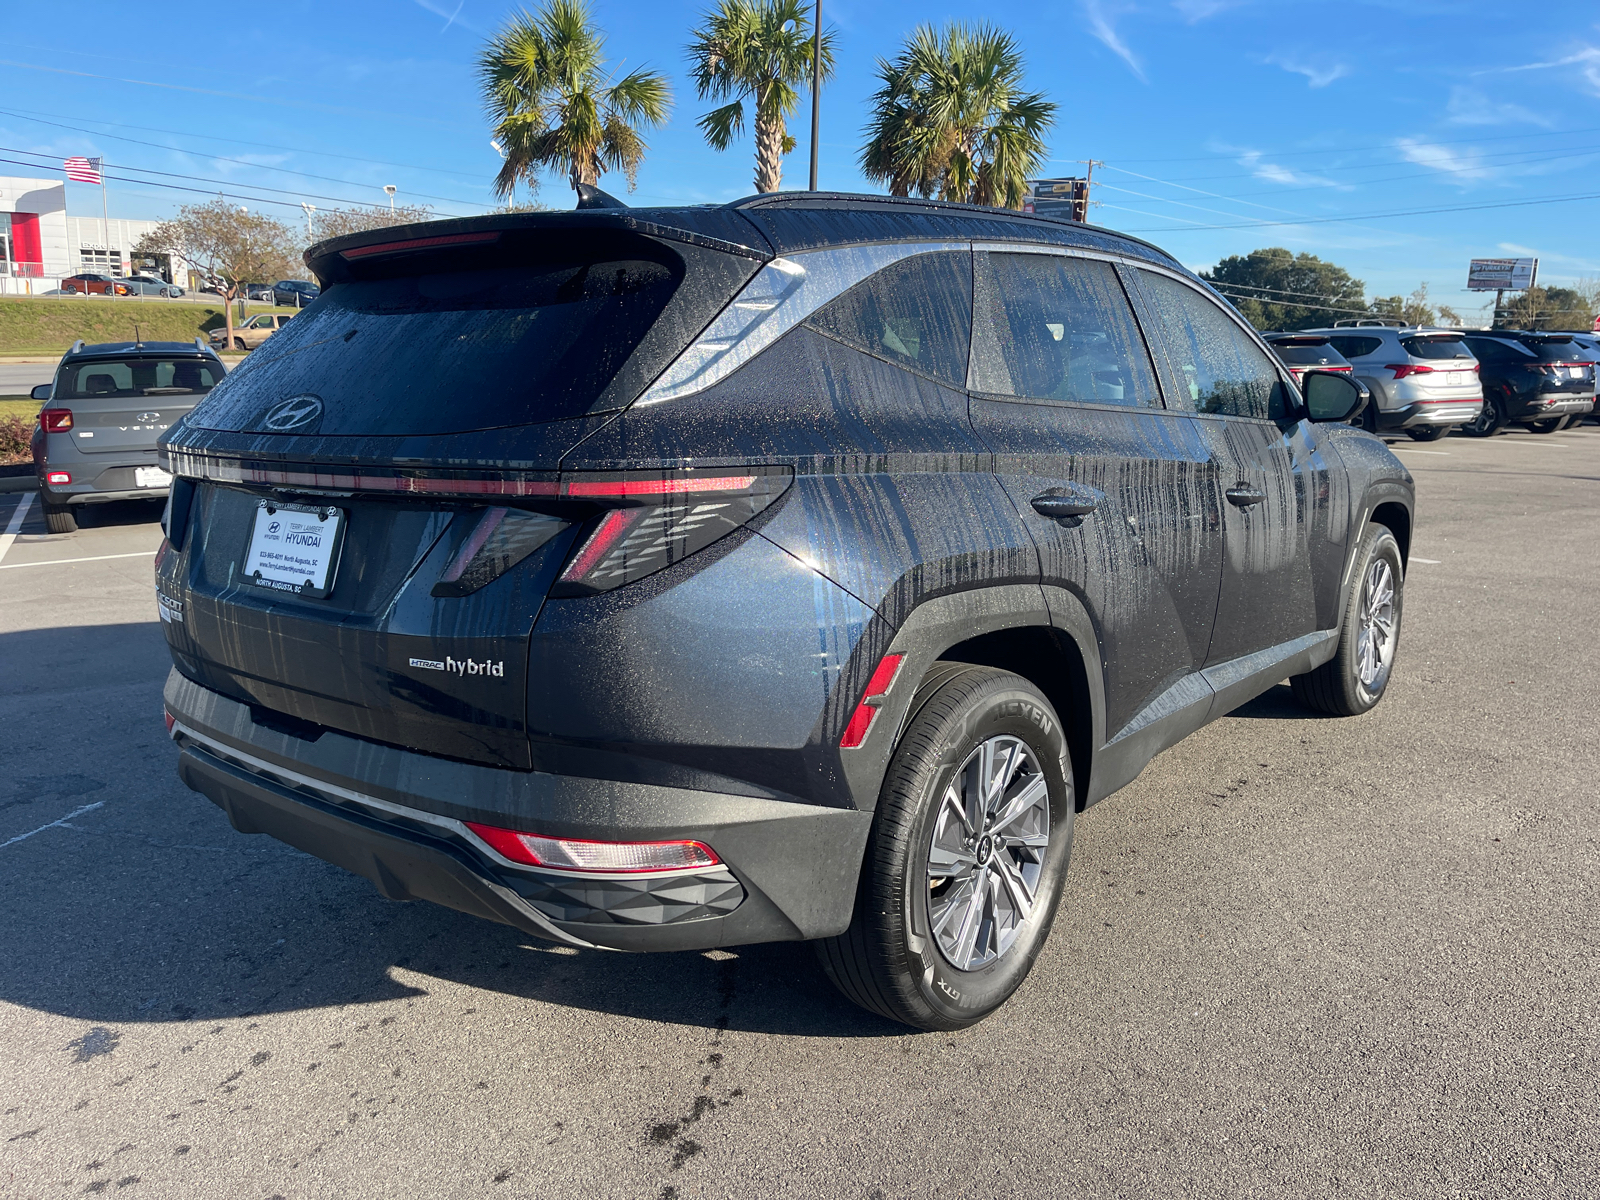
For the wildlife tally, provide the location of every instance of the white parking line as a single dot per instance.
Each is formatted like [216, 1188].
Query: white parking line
[1432, 562]
[17, 515]
[77, 812]
[1409, 450]
[56, 562]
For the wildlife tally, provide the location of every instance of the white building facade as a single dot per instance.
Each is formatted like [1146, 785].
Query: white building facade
[40, 244]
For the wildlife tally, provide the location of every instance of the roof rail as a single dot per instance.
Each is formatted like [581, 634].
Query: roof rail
[198, 343]
[77, 347]
[1370, 322]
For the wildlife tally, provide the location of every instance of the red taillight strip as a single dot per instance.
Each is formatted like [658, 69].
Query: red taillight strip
[358, 482]
[655, 487]
[861, 720]
[427, 243]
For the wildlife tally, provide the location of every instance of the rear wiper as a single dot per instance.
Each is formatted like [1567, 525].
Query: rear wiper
[167, 391]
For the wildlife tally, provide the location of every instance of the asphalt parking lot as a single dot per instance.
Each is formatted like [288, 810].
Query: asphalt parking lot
[1299, 956]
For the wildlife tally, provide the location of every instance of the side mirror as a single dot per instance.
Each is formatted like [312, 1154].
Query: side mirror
[1333, 396]
[42, 391]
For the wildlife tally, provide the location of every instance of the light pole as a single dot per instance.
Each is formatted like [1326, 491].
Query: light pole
[391, 190]
[816, 87]
[311, 233]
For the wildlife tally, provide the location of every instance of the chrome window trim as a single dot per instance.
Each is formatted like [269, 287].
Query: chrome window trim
[782, 294]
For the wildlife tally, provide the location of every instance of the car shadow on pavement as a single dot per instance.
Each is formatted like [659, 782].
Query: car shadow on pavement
[1277, 704]
[130, 898]
[119, 512]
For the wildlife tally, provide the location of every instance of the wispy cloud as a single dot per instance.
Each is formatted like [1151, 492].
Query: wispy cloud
[1318, 74]
[1468, 106]
[1462, 165]
[1101, 15]
[1272, 172]
[1586, 59]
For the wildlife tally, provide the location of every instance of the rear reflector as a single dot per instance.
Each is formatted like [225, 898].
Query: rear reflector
[169, 719]
[861, 720]
[55, 420]
[58, 477]
[574, 854]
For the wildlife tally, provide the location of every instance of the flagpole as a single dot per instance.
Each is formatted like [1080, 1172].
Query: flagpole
[105, 215]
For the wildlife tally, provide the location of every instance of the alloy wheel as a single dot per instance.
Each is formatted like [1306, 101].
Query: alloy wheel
[990, 839]
[1375, 639]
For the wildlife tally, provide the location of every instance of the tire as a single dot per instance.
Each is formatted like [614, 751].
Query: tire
[58, 518]
[238, 343]
[1355, 678]
[1549, 425]
[1428, 433]
[70, 291]
[1488, 421]
[893, 960]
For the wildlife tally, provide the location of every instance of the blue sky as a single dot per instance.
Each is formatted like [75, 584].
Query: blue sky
[1329, 118]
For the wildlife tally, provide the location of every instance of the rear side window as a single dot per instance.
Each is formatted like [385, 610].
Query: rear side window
[136, 377]
[1356, 347]
[1421, 347]
[1217, 368]
[1055, 328]
[456, 350]
[916, 313]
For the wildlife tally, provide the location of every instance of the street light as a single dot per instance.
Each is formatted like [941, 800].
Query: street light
[311, 233]
[391, 190]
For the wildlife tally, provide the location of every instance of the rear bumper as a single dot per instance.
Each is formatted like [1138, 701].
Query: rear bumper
[1430, 412]
[398, 818]
[98, 479]
[1548, 404]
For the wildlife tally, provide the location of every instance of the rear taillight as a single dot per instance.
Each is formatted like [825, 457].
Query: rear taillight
[58, 478]
[577, 854]
[653, 521]
[55, 420]
[498, 540]
[877, 687]
[169, 719]
[1401, 370]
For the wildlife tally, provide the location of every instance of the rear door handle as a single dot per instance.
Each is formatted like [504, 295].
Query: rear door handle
[1244, 496]
[1064, 503]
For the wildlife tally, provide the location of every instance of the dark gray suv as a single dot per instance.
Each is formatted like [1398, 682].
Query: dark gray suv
[667, 579]
[95, 439]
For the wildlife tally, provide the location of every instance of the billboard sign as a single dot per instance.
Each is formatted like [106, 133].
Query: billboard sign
[1502, 274]
[1067, 198]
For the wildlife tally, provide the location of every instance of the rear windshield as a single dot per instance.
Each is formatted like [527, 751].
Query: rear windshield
[136, 377]
[1558, 350]
[1431, 347]
[1301, 354]
[458, 350]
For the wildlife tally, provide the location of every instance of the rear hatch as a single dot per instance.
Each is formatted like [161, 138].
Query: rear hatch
[408, 429]
[1439, 366]
[1565, 364]
[1308, 352]
[124, 403]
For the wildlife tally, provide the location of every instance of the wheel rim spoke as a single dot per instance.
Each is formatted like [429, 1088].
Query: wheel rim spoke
[990, 838]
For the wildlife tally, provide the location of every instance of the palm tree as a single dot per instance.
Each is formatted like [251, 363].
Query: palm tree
[760, 49]
[554, 108]
[951, 118]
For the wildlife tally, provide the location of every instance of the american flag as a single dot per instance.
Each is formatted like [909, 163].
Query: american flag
[84, 170]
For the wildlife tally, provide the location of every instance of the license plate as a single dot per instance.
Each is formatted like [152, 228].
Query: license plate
[1455, 378]
[151, 477]
[294, 548]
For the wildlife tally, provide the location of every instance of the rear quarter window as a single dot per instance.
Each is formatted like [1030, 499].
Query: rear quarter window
[1435, 347]
[916, 313]
[1356, 347]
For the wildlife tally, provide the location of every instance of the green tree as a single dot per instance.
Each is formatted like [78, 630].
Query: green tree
[951, 119]
[760, 50]
[229, 245]
[1550, 308]
[544, 82]
[1275, 289]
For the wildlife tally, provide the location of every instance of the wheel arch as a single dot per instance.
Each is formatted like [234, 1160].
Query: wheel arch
[1396, 517]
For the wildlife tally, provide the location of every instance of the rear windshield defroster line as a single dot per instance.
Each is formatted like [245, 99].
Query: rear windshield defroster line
[455, 351]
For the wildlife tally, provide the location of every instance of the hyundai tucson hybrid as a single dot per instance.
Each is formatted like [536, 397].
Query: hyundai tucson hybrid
[1302, 352]
[95, 437]
[668, 579]
[1424, 381]
[1537, 380]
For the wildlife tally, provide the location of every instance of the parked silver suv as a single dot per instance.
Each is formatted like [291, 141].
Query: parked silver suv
[1423, 380]
[96, 436]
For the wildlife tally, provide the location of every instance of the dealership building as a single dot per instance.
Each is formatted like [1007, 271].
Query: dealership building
[40, 244]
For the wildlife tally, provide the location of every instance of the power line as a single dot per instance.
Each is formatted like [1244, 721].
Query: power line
[1361, 149]
[215, 157]
[32, 114]
[1412, 212]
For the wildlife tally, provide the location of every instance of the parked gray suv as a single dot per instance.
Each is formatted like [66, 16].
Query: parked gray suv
[1424, 381]
[95, 439]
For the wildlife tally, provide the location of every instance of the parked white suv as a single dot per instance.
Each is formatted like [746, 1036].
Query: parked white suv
[1423, 380]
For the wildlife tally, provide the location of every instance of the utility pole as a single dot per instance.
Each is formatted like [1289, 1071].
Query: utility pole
[816, 87]
[1088, 182]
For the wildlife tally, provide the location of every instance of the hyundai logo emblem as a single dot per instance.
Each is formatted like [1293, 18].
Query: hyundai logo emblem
[148, 416]
[294, 413]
